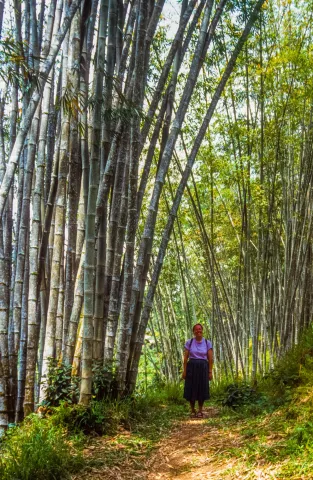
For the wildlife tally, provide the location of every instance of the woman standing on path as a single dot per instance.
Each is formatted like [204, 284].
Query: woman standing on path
[198, 364]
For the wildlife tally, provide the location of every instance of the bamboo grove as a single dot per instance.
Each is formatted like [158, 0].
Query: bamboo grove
[240, 257]
[151, 178]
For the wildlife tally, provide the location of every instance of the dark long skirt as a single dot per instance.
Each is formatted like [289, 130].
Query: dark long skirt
[197, 381]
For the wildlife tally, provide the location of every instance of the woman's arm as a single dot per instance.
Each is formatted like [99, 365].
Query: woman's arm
[210, 360]
[186, 356]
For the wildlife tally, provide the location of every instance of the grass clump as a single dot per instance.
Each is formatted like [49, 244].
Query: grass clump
[39, 450]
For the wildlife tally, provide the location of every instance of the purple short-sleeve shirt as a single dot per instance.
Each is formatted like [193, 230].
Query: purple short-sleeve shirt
[198, 350]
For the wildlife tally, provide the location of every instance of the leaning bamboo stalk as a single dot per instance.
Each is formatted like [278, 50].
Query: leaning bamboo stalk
[19, 411]
[166, 69]
[145, 244]
[109, 21]
[87, 48]
[34, 52]
[80, 227]
[59, 318]
[110, 60]
[180, 190]
[76, 363]
[127, 43]
[46, 244]
[53, 24]
[53, 130]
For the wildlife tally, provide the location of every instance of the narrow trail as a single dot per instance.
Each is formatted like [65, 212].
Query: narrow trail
[195, 449]
[190, 452]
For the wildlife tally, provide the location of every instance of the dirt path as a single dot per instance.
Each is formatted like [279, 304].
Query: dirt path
[190, 452]
[195, 449]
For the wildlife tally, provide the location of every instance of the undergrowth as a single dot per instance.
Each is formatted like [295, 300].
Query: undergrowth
[39, 450]
[272, 421]
[50, 448]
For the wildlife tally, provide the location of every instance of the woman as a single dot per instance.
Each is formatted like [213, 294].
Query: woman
[198, 364]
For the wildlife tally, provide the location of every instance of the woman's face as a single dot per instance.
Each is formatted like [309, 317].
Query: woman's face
[198, 331]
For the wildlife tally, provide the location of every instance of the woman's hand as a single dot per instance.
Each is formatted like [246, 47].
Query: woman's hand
[210, 376]
[184, 375]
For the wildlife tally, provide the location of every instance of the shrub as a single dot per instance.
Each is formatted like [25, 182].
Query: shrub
[238, 394]
[38, 450]
[99, 417]
[103, 381]
[60, 385]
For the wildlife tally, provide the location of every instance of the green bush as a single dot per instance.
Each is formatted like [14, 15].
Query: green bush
[60, 385]
[99, 417]
[103, 381]
[39, 450]
[238, 394]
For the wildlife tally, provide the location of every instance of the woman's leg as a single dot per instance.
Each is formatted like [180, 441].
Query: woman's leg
[192, 406]
[200, 406]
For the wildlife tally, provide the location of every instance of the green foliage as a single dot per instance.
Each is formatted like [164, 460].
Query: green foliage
[99, 417]
[50, 448]
[292, 370]
[275, 430]
[11, 59]
[105, 415]
[274, 389]
[103, 381]
[174, 393]
[39, 450]
[60, 385]
[302, 434]
[238, 394]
